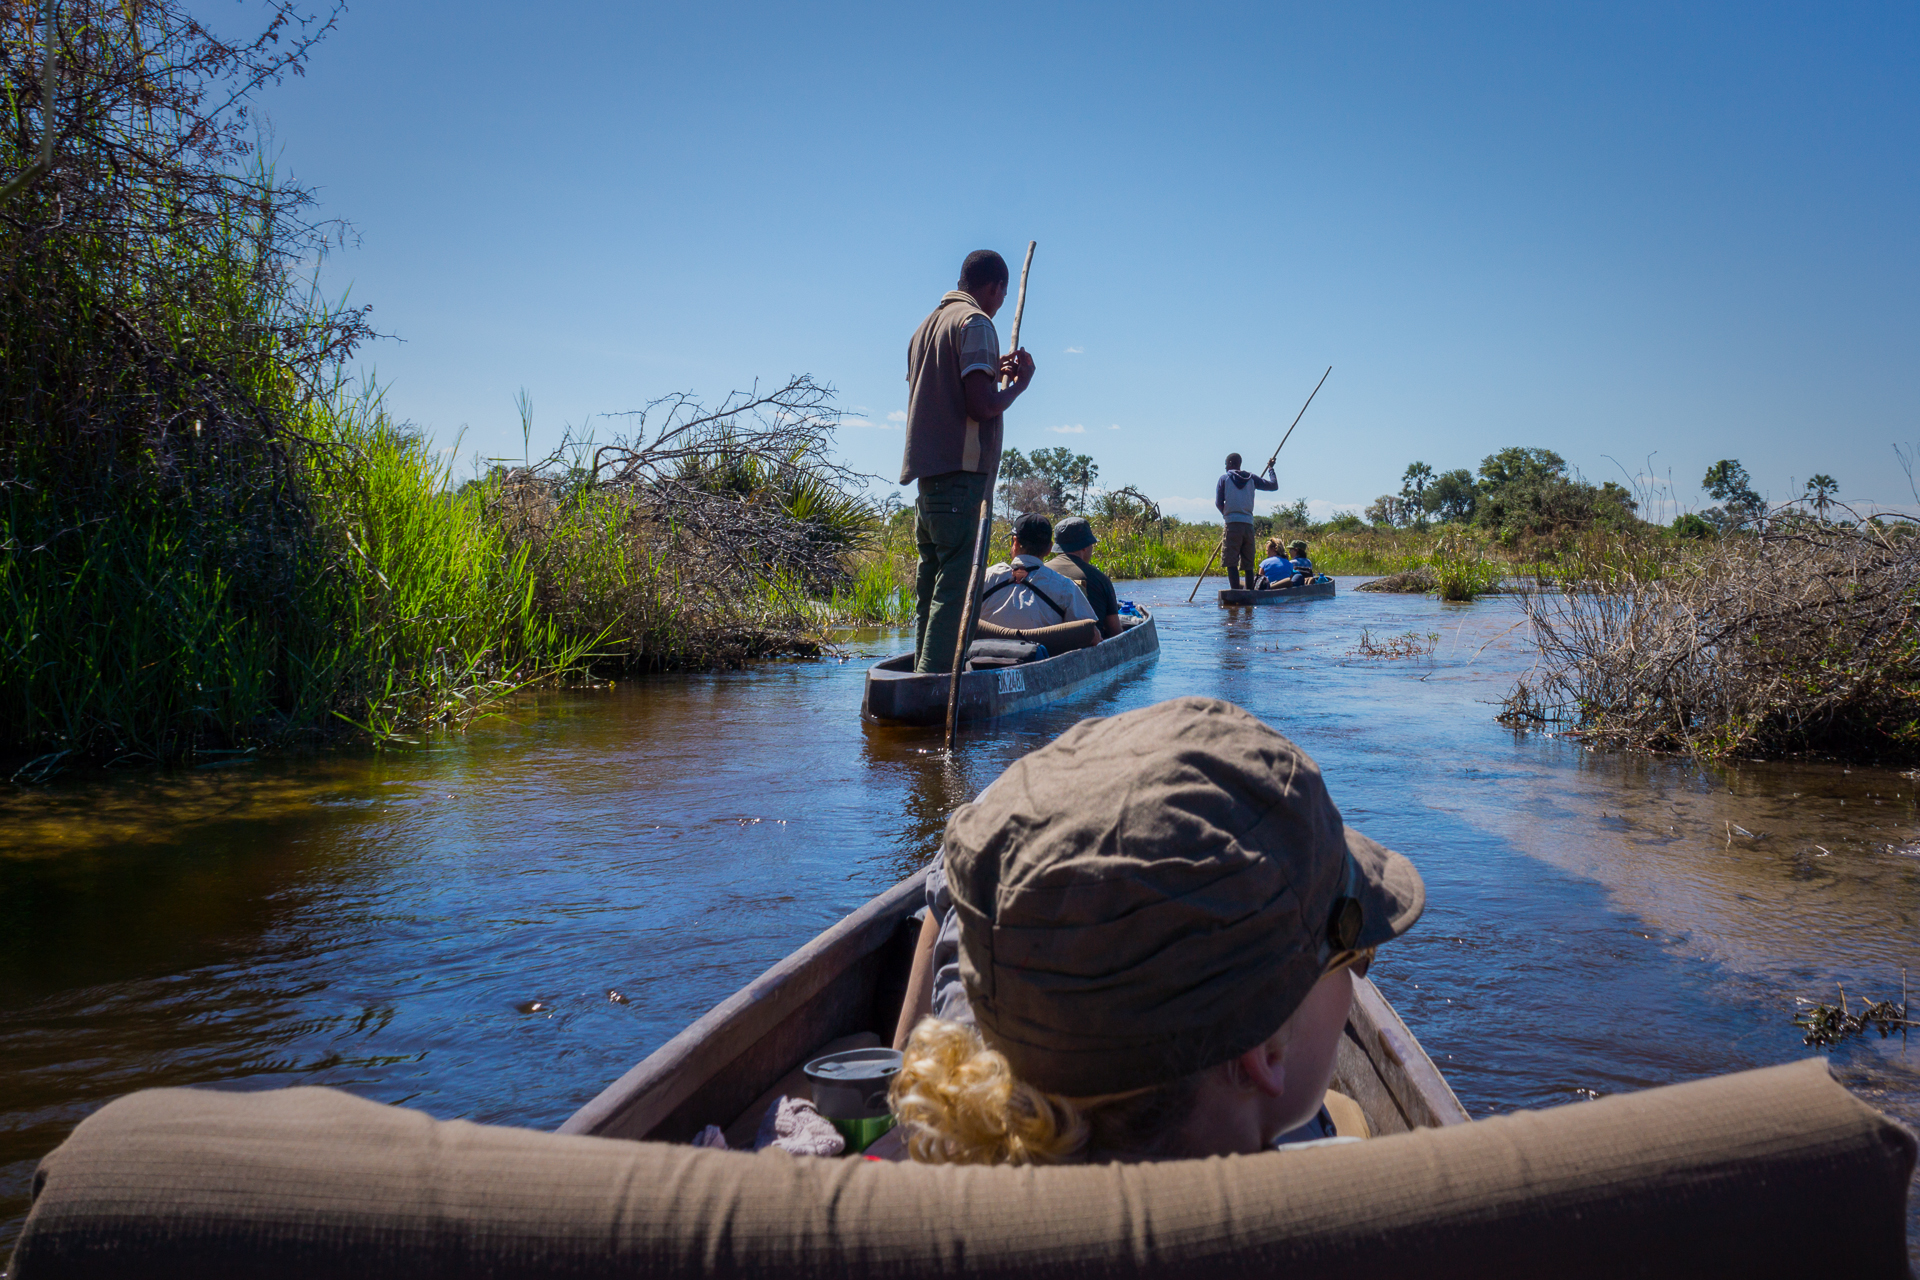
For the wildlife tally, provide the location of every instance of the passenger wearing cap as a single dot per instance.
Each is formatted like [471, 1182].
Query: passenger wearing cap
[1303, 570]
[1022, 592]
[1155, 924]
[1074, 537]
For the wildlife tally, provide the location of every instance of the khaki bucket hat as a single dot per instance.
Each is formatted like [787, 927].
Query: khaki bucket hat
[1156, 892]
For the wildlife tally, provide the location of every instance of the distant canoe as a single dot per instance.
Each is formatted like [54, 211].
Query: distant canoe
[895, 695]
[1280, 595]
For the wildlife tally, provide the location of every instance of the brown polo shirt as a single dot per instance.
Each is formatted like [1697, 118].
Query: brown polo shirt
[949, 344]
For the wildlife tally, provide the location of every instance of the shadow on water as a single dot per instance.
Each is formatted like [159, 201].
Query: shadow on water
[495, 926]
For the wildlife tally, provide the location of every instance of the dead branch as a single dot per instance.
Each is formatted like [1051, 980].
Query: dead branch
[1798, 637]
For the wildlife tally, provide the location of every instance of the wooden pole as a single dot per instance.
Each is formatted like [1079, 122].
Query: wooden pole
[982, 537]
[1296, 418]
[1203, 573]
[1270, 461]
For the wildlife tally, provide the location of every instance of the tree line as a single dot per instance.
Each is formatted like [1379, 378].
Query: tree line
[1518, 492]
[1530, 492]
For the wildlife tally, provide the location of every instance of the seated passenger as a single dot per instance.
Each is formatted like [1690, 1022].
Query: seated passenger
[1075, 539]
[1275, 569]
[1022, 593]
[1302, 567]
[1141, 946]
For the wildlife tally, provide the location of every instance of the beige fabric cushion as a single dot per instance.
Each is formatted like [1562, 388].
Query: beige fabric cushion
[1767, 1173]
[1061, 637]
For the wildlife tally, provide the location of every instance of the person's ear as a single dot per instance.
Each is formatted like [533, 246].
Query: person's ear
[1264, 1067]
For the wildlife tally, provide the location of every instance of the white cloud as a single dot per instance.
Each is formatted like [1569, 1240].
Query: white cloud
[1113, 426]
[862, 422]
[1076, 351]
[1075, 430]
[898, 415]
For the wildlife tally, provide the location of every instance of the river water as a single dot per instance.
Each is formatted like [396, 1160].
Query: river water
[495, 925]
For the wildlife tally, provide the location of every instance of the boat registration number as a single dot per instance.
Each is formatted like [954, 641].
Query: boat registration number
[1012, 680]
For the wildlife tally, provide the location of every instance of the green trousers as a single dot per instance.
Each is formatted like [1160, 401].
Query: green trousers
[946, 522]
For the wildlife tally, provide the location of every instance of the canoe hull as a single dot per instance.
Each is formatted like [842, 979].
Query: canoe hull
[895, 695]
[1288, 595]
[853, 979]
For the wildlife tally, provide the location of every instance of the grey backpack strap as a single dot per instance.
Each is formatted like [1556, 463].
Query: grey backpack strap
[1045, 598]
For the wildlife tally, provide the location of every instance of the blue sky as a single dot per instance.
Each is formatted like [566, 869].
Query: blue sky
[1619, 232]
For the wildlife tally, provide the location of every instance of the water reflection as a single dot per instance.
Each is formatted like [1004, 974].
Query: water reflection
[444, 926]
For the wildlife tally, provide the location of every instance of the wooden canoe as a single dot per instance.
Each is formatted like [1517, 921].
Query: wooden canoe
[852, 980]
[1279, 595]
[895, 695]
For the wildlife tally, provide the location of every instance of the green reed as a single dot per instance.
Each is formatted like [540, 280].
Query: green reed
[875, 593]
[1462, 568]
[444, 605]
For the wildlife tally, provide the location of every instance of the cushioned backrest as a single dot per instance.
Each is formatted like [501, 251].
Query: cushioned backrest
[1060, 637]
[1766, 1173]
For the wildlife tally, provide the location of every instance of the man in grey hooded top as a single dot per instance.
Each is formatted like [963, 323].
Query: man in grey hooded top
[1233, 495]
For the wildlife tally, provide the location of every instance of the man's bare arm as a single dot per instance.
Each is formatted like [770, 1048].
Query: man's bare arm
[1110, 625]
[985, 399]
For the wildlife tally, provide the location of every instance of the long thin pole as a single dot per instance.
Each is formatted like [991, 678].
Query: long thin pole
[1203, 573]
[982, 536]
[1296, 417]
[1270, 461]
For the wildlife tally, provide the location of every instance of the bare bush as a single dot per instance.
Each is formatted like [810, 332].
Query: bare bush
[1797, 638]
[700, 534]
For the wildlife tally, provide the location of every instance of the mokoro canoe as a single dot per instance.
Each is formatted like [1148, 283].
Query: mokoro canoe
[852, 979]
[895, 695]
[1280, 595]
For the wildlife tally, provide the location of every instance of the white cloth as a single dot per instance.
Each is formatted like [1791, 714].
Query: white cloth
[796, 1126]
[1017, 606]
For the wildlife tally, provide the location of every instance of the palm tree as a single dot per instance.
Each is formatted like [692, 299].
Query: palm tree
[1820, 491]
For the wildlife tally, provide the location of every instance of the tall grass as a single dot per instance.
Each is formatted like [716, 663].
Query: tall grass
[876, 594]
[444, 613]
[1461, 568]
[124, 635]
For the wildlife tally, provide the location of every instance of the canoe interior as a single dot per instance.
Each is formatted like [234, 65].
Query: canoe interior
[895, 695]
[1284, 595]
[852, 979]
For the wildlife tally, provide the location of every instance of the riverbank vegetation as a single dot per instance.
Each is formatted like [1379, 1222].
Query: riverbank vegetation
[1797, 636]
[210, 543]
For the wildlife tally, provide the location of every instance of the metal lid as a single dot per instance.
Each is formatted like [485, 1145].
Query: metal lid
[855, 1065]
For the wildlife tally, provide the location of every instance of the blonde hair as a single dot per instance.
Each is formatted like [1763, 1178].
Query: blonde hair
[1273, 546]
[961, 1103]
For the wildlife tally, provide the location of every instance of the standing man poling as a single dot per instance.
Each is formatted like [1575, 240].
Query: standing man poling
[1233, 495]
[1074, 537]
[954, 429]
